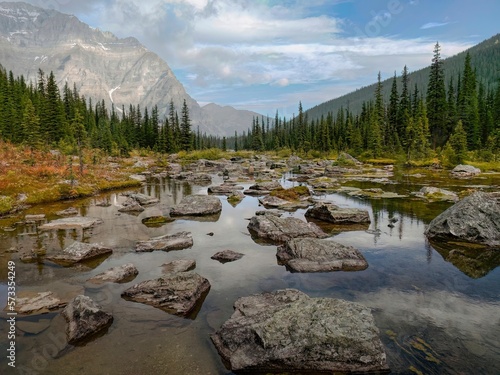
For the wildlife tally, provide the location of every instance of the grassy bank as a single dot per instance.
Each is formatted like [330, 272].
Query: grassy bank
[33, 177]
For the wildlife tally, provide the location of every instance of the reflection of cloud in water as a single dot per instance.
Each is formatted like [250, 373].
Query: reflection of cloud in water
[463, 320]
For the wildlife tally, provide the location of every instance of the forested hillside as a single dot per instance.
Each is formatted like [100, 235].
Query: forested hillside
[446, 118]
[485, 58]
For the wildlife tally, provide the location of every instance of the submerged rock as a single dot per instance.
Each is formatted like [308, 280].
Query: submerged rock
[334, 214]
[144, 199]
[79, 252]
[278, 229]
[474, 219]
[224, 189]
[156, 221]
[176, 293]
[120, 274]
[131, 205]
[288, 331]
[177, 241]
[263, 188]
[78, 222]
[179, 265]
[85, 319]
[68, 212]
[315, 255]
[197, 205]
[436, 194]
[227, 256]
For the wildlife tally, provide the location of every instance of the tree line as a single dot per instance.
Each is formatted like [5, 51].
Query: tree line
[451, 118]
[41, 116]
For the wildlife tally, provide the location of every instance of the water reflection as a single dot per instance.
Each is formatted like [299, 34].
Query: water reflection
[437, 309]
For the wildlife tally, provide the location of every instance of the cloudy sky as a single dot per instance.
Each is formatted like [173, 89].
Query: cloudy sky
[267, 55]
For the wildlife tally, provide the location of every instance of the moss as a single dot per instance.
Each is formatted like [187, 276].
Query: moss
[292, 194]
[6, 204]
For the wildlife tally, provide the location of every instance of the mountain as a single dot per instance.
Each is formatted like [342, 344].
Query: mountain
[227, 115]
[485, 59]
[102, 66]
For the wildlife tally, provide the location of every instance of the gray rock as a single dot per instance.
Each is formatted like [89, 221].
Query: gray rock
[120, 274]
[224, 189]
[138, 177]
[30, 219]
[235, 197]
[85, 319]
[265, 186]
[131, 205]
[144, 199]
[176, 293]
[288, 331]
[227, 256]
[273, 202]
[179, 265]
[465, 171]
[283, 229]
[37, 302]
[189, 176]
[315, 255]
[177, 241]
[333, 214]
[197, 205]
[78, 222]
[68, 212]
[79, 252]
[436, 194]
[474, 219]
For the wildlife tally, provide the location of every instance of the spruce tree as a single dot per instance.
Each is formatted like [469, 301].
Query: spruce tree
[436, 99]
[185, 141]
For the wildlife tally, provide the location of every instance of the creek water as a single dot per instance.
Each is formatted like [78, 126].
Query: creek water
[434, 316]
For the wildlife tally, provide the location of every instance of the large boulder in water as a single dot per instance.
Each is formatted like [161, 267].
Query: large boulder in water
[80, 252]
[176, 293]
[332, 213]
[287, 331]
[279, 229]
[197, 205]
[315, 255]
[85, 319]
[465, 171]
[167, 242]
[474, 219]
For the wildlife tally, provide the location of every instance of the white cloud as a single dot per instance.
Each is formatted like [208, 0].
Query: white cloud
[245, 43]
[431, 25]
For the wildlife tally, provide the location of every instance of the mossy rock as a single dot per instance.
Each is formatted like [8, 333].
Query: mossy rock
[292, 194]
[156, 221]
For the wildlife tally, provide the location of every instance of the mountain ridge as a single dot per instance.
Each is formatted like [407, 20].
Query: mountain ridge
[120, 71]
[452, 66]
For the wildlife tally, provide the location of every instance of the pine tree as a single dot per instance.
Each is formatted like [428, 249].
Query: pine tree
[458, 145]
[185, 141]
[468, 105]
[436, 99]
[31, 126]
[392, 114]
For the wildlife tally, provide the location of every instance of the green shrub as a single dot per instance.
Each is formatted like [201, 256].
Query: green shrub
[6, 204]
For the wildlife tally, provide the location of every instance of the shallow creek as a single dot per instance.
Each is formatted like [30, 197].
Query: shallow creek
[434, 316]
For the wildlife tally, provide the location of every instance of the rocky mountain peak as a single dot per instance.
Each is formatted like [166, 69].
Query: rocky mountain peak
[102, 66]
